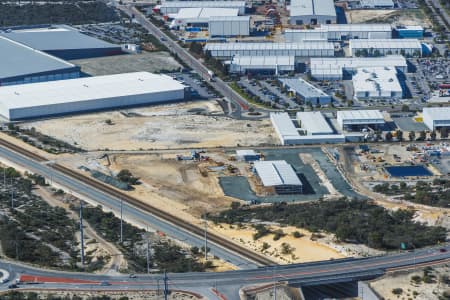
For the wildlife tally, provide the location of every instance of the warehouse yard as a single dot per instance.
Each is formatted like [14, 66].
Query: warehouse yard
[403, 17]
[183, 125]
[145, 61]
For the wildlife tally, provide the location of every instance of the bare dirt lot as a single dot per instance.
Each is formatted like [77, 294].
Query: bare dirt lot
[180, 125]
[396, 17]
[145, 61]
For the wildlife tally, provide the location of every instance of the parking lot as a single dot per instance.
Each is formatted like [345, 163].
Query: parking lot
[199, 86]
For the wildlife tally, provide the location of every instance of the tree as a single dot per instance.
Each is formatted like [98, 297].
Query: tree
[399, 135]
[433, 135]
[405, 108]
[412, 135]
[422, 135]
[388, 136]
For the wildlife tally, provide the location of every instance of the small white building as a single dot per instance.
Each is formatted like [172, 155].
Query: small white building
[229, 26]
[173, 7]
[356, 119]
[376, 82]
[304, 49]
[312, 12]
[408, 47]
[247, 155]
[262, 64]
[307, 92]
[280, 175]
[37, 100]
[314, 123]
[338, 68]
[436, 117]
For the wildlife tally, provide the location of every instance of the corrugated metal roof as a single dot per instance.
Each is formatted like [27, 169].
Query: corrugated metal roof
[360, 115]
[205, 13]
[85, 89]
[438, 113]
[276, 173]
[60, 37]
[376, 79]
[385, 44]
[312, 7]
[284, 124]
[375, 3]
[314, 122]
[356, 27]
[263, 61]
[307, 45]
[303, 88]
[19, 60]
[246, 152]
[229, 18]
[187, 4]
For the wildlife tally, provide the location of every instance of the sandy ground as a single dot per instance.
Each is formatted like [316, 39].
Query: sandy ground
[411, 290]
[158, 127]
[395, 17]
[149, 62]
[304, 248]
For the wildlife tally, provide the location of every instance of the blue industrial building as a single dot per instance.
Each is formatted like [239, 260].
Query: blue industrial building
[61, 41]
[21, 64]
[409, 32]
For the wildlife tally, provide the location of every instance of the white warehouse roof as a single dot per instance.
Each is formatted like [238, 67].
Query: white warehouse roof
[374, 116]
[276, 173]
[385, 44]
[263, 61]
[312, 8]
[377, 81]
[438, 113]
[82, 91]
[356, 27]
[204, 13]
[303, 88]
[314, 123]
[308, 45]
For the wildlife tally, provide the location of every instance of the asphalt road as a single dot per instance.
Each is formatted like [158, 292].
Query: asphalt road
[229, 283]
[129, 212]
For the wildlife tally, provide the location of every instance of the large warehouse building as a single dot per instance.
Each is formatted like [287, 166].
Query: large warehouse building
[359, 119]
[338, 68]
[312, 12]
[172, 7]
[199, 17]
[300, 35]
[262, 64]
[229, 26]
[337, 32]
[313, 123]
[21, 64]
[71, 96]
[290, 135]
[62, 41]
[436, 117]
[386, 4]
[379, 82]
[408, 47]
[280, 175]
[307, 92]
[305, 49]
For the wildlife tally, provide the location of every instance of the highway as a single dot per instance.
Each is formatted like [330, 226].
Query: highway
[229, 283]
[218, 84]
[129, 212]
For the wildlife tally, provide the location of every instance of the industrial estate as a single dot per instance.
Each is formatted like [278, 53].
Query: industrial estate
[225, 149]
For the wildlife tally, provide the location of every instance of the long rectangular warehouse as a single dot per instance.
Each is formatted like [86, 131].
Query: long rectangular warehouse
[229, 26]
[308, 92]
[337, 68]
[262, 64]
[62, 41]
[289, 134]
[312, 12]
[406, 47]
[359, 118]
[300, 35]
[279, 175]
[88, 94]
[339, 32]
[172, 7]
[314, 123]
[305, 49]
[21, 64]
[436, 117]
